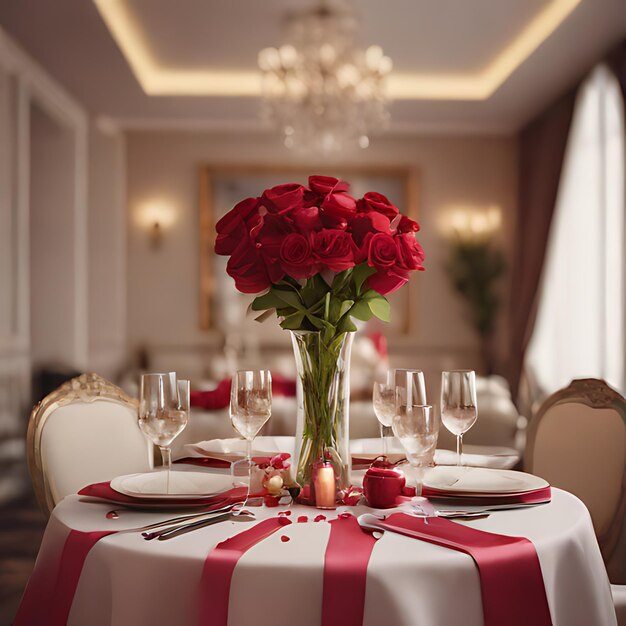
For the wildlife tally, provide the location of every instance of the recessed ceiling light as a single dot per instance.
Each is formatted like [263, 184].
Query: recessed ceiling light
[156, 80]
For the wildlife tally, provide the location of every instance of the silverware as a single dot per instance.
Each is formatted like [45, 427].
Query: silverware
[487, 509]
[182, 529]
[461, 514]
[179, 519]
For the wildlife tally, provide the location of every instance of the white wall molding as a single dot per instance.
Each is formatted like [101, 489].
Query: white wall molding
[36, 87]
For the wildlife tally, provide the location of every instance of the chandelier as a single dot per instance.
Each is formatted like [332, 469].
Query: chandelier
[319, 88]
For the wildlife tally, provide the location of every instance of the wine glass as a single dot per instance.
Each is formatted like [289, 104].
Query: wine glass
[458, 405]
[384, 399]
[250, 404]
[411, 383]
[162, 416]
[417, 429]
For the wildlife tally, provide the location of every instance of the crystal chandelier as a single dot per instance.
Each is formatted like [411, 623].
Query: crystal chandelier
[323, 91]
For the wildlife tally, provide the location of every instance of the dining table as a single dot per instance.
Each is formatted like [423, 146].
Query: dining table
[279, 577]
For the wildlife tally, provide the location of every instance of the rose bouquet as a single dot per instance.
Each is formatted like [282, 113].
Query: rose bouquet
[321, 258]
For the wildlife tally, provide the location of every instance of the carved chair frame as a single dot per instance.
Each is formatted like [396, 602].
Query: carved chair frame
[84, 388]
[595, 393]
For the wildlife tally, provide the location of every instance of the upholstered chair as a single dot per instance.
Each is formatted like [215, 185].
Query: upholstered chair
[83, 432]
[577, 441]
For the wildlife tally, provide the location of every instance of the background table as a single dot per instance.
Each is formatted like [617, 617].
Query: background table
[127, 581]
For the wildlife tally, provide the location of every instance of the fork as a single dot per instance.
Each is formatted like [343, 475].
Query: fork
[179, 519]
[182, 529]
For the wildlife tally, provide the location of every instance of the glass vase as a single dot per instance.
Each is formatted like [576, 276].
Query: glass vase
[323, 405]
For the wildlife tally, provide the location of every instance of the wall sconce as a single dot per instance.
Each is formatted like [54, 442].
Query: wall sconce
[469, 223]
[156, 217]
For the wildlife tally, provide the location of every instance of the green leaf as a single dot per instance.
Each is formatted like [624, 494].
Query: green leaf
[361, 311]
[288, 297]
[346, 305]
[292, 322]
[266, 301]
[314, 291]
[346, 325]
[369, 294]
[320, 323]
[360, 274]
[380, 308]
[341, 279]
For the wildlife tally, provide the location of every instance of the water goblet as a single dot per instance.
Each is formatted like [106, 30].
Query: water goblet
[410, 383]
[417, 429]
[384, 400]
[161, 415]
[250, 405]
[459, 410]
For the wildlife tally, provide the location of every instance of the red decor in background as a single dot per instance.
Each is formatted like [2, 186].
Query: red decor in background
[219, 398]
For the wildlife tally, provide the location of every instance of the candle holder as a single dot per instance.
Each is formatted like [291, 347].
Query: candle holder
[325, 485]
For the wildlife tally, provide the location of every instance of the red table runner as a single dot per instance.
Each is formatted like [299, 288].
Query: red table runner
[511, 583]
[220, 565]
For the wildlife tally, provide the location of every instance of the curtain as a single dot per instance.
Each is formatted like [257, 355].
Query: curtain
[541, 150]
[541, 154]
[579, 327]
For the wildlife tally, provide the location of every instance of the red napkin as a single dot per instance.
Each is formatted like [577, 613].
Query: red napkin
[512, 587]
[217, 463]
[103, 491]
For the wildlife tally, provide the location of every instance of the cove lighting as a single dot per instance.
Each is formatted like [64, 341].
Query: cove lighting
[156, 80]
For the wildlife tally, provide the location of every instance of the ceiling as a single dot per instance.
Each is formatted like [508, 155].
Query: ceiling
[449, 43]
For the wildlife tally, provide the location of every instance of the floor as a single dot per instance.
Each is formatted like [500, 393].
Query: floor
[21, 529]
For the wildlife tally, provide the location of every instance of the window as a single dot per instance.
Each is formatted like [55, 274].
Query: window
[579, 331]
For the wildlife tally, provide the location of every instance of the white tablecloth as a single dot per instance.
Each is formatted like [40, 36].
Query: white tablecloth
[127, 581]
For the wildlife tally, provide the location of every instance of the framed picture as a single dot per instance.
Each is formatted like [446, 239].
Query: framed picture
[222, 307]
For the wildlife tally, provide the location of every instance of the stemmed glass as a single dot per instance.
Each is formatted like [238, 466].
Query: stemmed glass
[417, 429]
[384, 399]
[250, 405]
[163, 413]
[410, 383]
[458, 405]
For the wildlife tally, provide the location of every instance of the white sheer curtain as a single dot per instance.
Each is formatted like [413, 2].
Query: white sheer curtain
[579, 329]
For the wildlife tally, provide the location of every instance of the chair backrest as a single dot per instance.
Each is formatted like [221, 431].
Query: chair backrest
[577, 441]
[84, 432]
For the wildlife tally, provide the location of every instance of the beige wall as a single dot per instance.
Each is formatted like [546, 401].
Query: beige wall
[107, 251]
[163, 284]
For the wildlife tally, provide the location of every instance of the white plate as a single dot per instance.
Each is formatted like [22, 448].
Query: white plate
[481, 480]
[473, 456]
[235, 448]
[182, 484]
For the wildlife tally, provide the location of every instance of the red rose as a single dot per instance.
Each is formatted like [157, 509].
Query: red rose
[334, 249]
[247, 268]
[323, 185]
[365, 223]
[410, 253]
[231, 228]
[374, 201]
[382, 251]
[339, 206]
[268, 237]
[306, 219]
[386, 281]
[407, 225]
[296, 256]
[283, 198]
